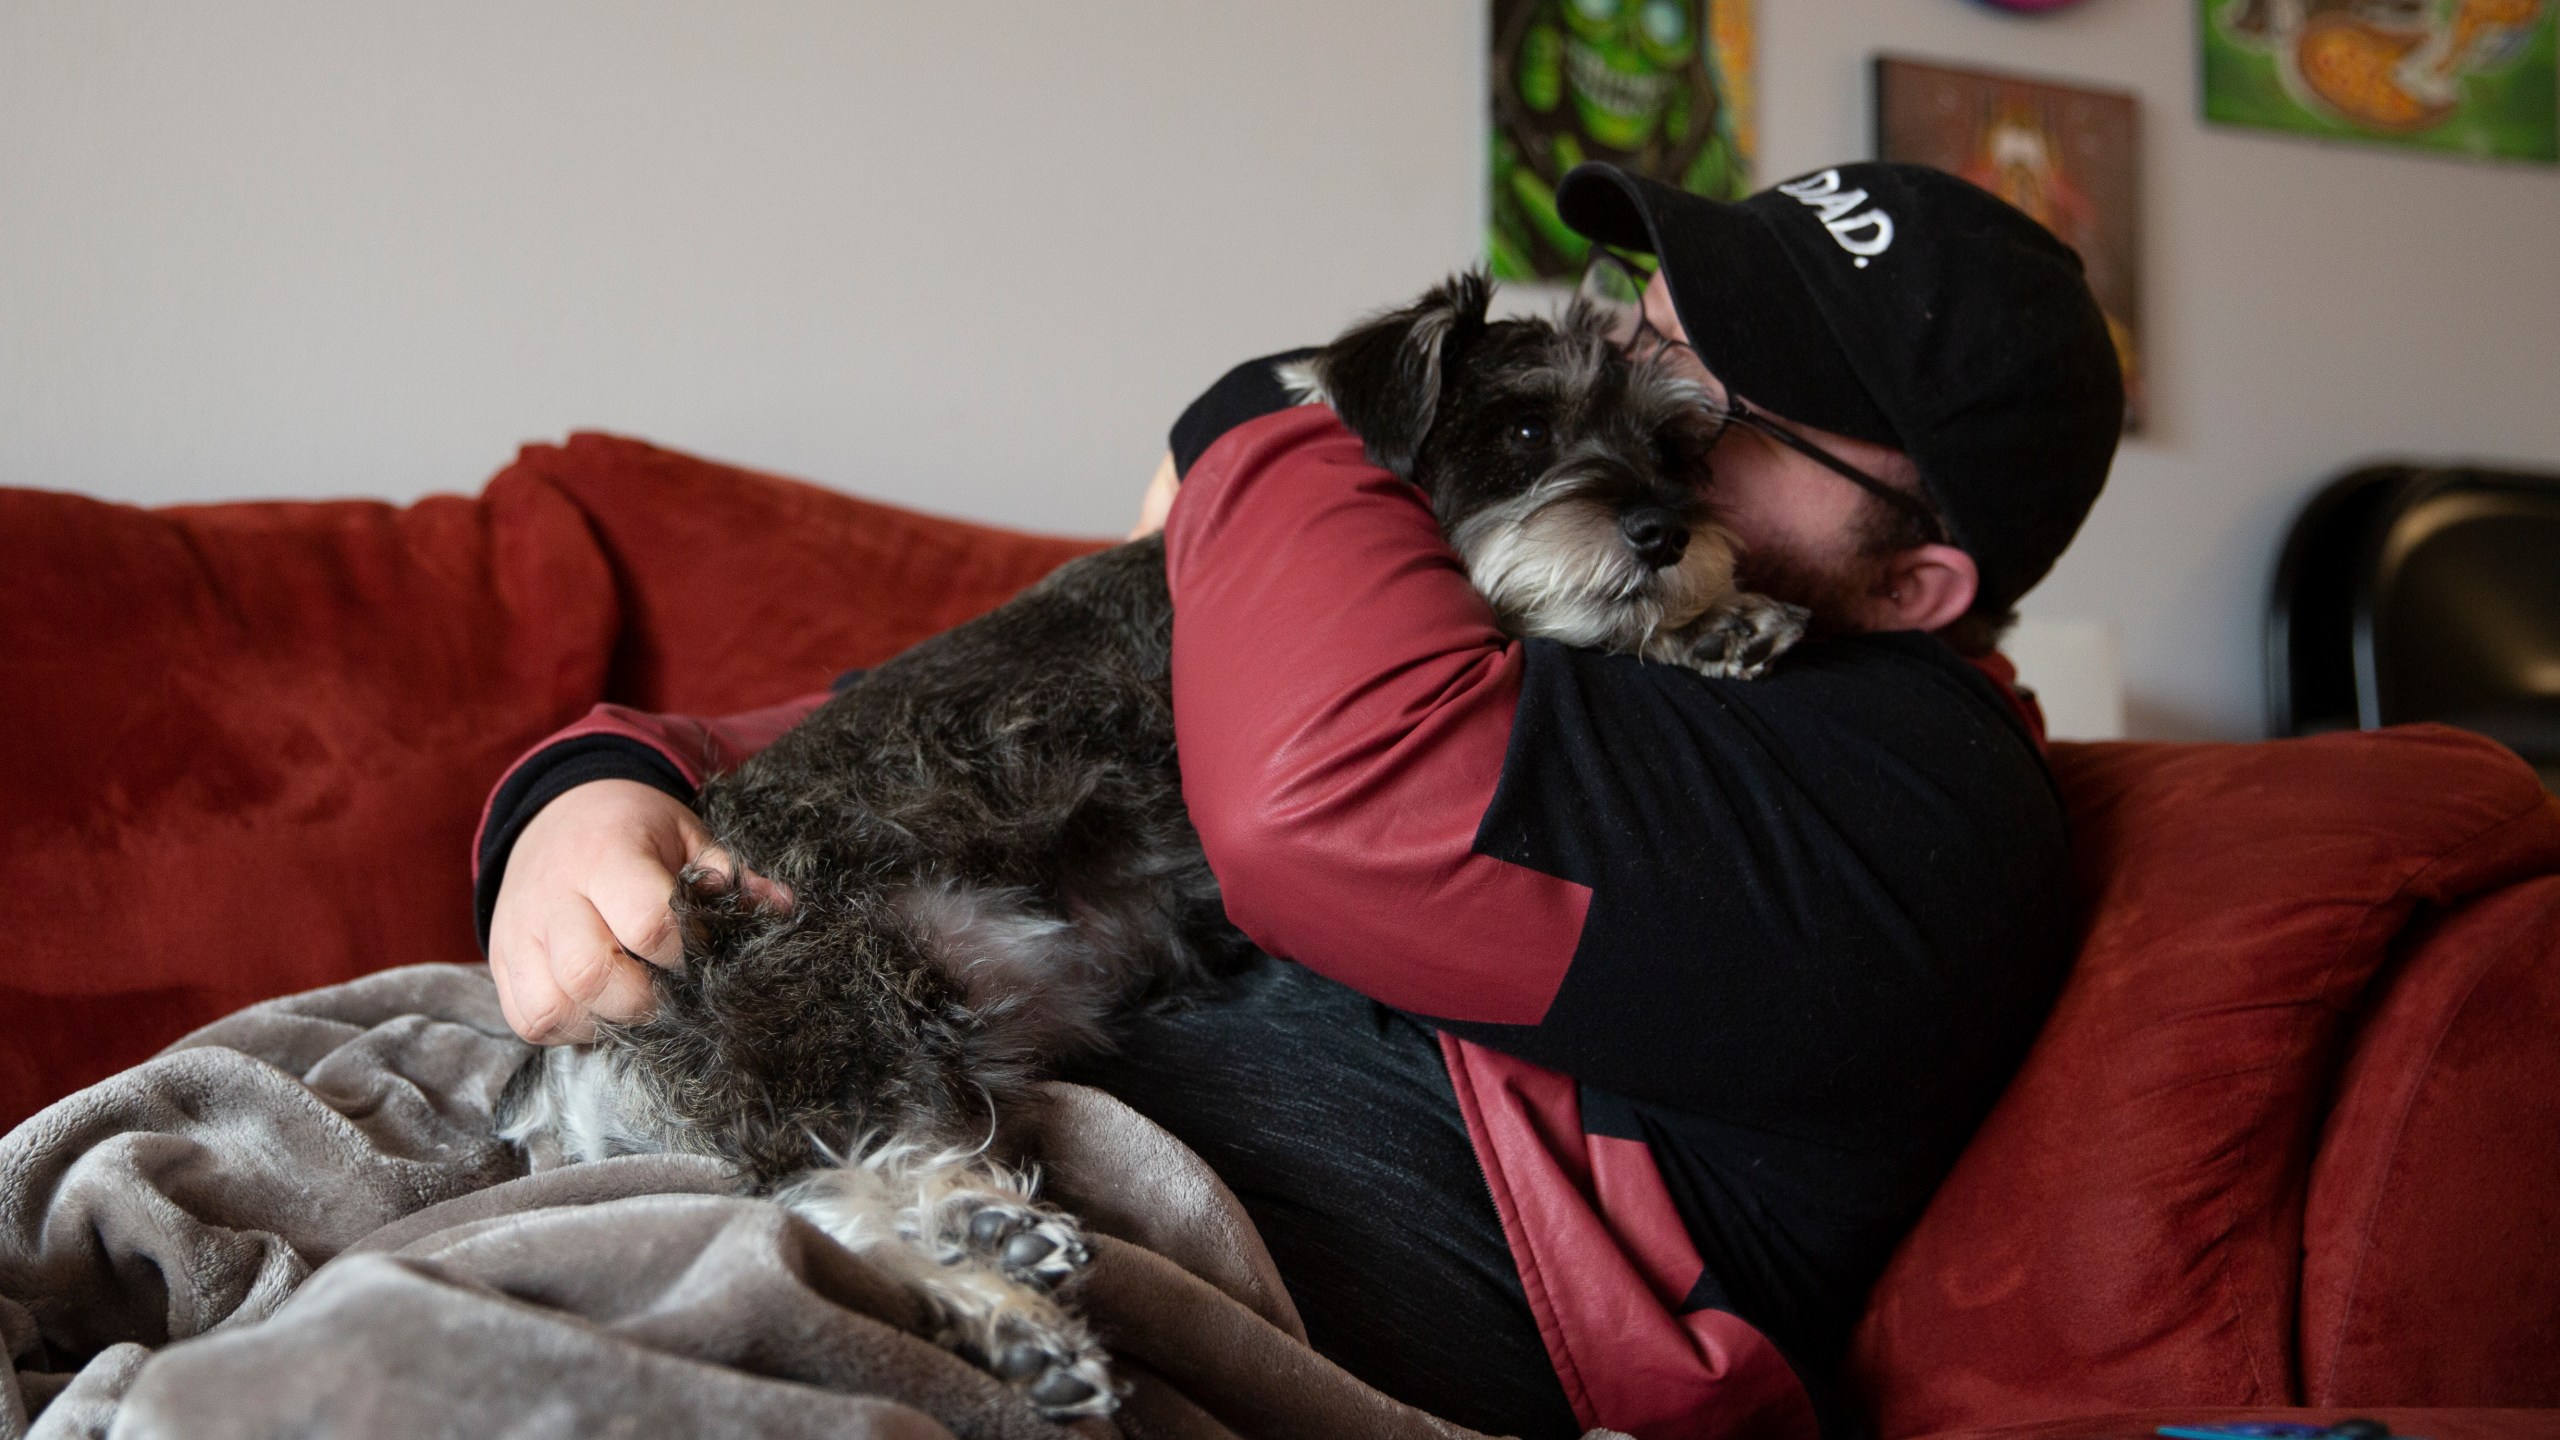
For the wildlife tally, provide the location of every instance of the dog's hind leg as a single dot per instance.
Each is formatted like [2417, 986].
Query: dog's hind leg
[966, 1236]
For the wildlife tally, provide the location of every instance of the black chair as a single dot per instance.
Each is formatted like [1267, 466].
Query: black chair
[2414, 593]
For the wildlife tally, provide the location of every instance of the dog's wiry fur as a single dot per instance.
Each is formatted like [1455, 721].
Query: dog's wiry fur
[988, 859]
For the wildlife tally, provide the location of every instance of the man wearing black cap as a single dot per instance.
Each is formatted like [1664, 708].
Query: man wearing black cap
[1634, 1014]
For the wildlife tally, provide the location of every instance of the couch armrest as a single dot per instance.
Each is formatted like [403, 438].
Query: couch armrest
[2431, 1268]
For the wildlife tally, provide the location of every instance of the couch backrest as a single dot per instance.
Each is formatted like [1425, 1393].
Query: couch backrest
[244, 747]
[740, 589]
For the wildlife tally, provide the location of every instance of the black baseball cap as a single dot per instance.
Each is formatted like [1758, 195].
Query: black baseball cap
[1898, 304]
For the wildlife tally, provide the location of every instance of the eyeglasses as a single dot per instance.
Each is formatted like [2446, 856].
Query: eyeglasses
[1615, 287]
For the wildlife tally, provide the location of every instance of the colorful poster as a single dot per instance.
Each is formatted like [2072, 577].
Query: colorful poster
[1662, 87]
[2472, 76]
[2063, 154]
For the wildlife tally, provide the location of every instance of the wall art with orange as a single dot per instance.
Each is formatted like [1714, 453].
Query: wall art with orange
[2476, 77]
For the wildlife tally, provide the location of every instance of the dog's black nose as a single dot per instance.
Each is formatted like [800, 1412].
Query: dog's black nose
[1660, 538]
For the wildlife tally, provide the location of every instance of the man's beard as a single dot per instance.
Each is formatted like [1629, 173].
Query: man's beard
[1838, 595]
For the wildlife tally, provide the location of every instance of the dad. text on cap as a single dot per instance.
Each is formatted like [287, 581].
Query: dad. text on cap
[1863, 233]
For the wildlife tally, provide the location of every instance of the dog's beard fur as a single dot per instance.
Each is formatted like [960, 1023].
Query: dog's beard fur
[1555, 566]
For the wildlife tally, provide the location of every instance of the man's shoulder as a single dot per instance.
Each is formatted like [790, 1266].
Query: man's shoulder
[1903, 695]
[1907, 663]
[1889, 755]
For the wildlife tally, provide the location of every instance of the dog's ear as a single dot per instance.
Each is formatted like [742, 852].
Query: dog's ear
[1383, 376]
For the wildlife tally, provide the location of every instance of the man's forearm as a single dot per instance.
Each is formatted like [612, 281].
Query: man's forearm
[1343, 700]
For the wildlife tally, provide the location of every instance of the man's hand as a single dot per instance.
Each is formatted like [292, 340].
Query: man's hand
[585, 903]
[1159, 501]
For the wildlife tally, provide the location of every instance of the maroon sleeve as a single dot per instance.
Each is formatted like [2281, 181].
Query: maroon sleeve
[672, 753]
[1343, 701]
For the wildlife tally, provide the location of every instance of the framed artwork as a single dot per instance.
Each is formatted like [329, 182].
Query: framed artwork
[2062, 153]
[1661, 87]
[2475, 77]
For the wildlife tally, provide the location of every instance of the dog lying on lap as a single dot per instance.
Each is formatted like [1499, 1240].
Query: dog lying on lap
[988, 857]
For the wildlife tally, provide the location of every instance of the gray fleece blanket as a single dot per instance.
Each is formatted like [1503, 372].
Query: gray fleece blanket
[295, 1222]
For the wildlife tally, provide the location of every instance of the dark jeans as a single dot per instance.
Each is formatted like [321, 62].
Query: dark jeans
[1331, 1118]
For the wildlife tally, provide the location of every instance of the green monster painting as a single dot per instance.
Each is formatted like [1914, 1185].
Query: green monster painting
[1658, 86]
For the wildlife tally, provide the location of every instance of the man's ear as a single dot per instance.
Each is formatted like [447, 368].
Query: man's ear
[1383, 376]
[1926, 587]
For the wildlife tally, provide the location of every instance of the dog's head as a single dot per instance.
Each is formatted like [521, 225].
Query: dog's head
[1569, 478]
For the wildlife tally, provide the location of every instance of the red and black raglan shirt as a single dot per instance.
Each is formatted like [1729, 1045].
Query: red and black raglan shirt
[1724, 973]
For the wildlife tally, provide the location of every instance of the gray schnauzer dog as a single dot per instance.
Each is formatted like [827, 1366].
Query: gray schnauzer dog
[987, 856]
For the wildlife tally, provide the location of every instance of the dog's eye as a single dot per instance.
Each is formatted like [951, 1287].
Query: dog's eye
[1529, 432]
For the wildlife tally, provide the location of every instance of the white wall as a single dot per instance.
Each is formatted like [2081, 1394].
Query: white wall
[974, 257]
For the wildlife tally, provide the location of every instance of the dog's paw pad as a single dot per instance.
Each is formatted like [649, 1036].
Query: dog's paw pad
[1062, 1389]
[1029, 1246]
[1028, 1251]
[1064, 1379]
[1021, 1361]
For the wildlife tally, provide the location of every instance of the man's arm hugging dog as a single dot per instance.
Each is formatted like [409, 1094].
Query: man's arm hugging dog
[1583, 713]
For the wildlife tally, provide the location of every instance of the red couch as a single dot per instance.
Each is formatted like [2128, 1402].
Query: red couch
[2291, 1139]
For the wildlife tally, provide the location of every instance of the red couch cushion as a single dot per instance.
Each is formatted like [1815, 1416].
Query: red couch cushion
[245, 746]
[740, 589]
[2432, 1244]
[2125, 1232]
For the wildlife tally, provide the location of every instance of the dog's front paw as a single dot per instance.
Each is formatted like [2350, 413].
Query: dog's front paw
[1743, 637]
